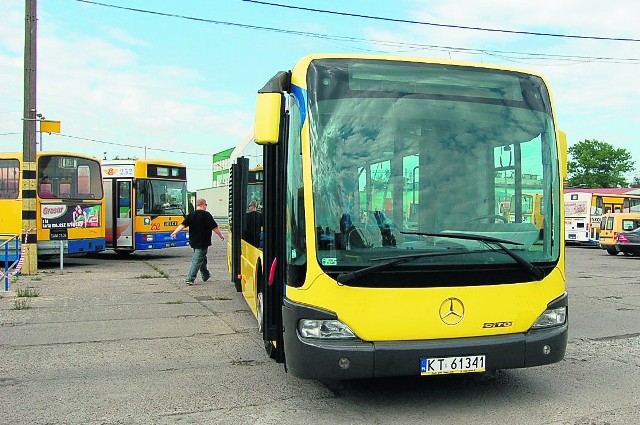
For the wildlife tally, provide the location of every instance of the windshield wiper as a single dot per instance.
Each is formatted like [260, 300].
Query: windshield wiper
[347, 276]
[467, 236]
[534, 270]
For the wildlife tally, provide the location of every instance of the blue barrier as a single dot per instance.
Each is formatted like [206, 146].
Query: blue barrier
[10, 249]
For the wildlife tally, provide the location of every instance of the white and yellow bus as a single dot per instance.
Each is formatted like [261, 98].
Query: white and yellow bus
[584, 208]
[146, 201]
[346, 286]
[70, 204]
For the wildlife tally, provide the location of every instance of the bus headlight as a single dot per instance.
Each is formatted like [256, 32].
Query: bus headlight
[550, 318]
[324, 329]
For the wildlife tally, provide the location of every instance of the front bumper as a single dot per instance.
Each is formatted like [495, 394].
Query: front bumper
[628, 248]
[320, 359]
[71, 246]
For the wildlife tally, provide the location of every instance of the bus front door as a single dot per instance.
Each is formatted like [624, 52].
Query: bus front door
[123, 198]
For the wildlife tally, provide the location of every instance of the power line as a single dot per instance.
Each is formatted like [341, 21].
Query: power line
[407, 21]
[394, 44]
[130, 146]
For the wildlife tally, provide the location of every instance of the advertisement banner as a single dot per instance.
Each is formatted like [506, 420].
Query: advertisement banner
[578, 208]
[60, 216]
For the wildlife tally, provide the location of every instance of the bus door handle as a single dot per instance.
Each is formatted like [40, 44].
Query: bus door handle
[272, 271]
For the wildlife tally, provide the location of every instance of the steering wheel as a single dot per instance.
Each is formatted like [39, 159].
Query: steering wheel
[357, 239]
[489, 216]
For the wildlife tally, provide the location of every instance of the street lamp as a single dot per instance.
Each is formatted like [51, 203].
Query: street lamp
[40, 118]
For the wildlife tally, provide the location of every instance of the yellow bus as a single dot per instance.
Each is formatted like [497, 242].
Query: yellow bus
[70, 204]
[146, 200]
[345, 286]
[614, 223]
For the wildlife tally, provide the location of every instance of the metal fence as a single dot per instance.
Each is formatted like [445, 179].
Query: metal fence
[11, 257]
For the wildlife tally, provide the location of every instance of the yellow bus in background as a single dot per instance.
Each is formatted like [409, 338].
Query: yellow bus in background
[345, 286]
[614, 223]
[145, 201]
[70, 204]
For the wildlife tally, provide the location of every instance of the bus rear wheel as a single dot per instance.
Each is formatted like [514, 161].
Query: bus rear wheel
[612, 251]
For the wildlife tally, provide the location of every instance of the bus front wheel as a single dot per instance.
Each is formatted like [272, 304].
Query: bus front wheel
[612, 251]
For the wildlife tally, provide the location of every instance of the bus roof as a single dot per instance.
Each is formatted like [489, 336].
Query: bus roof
[604, 190]
[142, 161]
[18, 155]
[304, 61]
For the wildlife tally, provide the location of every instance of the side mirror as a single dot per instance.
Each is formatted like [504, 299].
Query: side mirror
[562, 150]
[268, 112]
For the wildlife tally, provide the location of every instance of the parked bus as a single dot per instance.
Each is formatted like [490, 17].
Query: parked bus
[345, 287]
[631, 203]
[614, 223]
[70, 204]
[583, 210]
[146, 201]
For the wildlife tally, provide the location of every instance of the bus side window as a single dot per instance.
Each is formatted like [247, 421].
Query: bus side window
[9, 178]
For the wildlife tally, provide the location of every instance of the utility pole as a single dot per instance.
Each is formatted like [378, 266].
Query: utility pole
[29, 177]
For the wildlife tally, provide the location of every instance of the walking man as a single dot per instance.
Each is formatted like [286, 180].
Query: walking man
[201, 224]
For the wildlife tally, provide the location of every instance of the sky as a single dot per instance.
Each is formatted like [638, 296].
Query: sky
[177, 79]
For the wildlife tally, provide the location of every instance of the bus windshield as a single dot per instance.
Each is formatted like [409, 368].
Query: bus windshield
[166, 197]
[402, 150]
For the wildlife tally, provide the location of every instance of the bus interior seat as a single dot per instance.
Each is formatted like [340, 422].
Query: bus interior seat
[45, 190]
[65, 190]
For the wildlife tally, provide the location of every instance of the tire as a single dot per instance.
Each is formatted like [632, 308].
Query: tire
[268, 345]
[612, 251]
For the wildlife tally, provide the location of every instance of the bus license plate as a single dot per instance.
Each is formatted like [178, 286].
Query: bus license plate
[572, 235]
[443, 365]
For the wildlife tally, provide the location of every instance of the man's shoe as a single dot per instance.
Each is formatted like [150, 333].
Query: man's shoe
[207, 277]
[188, 282]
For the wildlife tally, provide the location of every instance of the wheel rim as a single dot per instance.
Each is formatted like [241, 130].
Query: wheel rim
[260, 311]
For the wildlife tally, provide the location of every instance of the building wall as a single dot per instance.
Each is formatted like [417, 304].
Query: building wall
[221, 164]
[217, 202]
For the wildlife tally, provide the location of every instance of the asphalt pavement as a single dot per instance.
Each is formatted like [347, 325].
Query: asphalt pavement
[123, 340]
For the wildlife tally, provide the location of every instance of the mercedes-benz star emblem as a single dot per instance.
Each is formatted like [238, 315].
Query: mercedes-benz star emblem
[452, 311]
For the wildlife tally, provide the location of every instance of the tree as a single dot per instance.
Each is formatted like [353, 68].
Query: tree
[594, 163]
